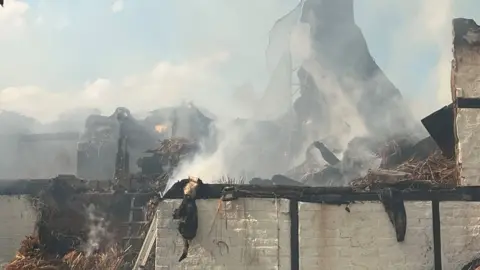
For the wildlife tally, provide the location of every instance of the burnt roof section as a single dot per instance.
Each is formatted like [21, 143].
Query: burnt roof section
[331, 195]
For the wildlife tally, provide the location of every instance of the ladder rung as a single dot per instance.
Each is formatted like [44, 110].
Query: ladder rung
[135, 222]
[133, 238]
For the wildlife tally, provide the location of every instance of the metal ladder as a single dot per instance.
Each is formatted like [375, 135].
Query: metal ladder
[130, 236]
[147, 245]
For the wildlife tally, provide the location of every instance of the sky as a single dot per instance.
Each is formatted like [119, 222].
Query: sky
[61, 55]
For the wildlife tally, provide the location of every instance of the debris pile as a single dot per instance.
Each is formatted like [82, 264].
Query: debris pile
[32, 255]
[175, 149]
[75, 229]
[367, 163]
[435, 170]
[157, 169]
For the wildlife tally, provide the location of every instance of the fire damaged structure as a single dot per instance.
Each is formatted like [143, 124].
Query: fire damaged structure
[388, 199]
[298, 227]
[105, 136]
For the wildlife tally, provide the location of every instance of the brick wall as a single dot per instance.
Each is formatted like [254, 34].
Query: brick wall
[465, 82]
[460, 228]
[257, 233]
[242, 234]
[17, 221]
[333, 238]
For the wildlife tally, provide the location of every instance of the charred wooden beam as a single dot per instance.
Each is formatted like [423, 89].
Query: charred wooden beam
[393, 203]
[327, 155]
[335, 195]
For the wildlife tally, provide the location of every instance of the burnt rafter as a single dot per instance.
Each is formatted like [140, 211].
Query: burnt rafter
[393, 203]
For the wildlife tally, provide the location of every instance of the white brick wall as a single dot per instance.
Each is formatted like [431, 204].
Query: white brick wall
[467, 126]
[333, 239]
[466, 83]
[17, 221]
[460, 227]
[256, 231]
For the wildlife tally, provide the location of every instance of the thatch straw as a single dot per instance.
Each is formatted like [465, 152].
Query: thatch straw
[32, 263]
[110, 260]
[436, 169]
[31, 257]
[232, 181]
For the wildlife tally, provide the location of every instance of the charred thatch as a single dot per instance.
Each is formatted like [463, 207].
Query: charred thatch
[368, 162]
[32, 256]
[59, 228]
[435, 170]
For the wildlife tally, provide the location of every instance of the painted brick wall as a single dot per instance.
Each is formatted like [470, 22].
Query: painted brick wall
[17, 221]
[241, 234]
[465, 82]
[467, 125]
[460, 227]
[332, 238]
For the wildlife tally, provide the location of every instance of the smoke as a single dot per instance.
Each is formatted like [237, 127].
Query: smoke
[384, 116]
[226, 48]
[12, 19]
[416, 47]
[98, 234]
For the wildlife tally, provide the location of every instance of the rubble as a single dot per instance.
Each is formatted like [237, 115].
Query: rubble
[69, 209]
[157, 168]
[68, 216]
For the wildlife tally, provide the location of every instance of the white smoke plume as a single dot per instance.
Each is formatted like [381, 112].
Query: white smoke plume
[226, 49]
[418, 34]
[98, 233]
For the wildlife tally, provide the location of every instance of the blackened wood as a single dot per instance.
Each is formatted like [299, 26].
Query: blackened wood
[437, 244]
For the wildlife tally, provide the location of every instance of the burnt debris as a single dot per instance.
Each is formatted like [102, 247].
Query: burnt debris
[100, 141]
[394, 206]
[440, 126]
[187, 213]
[327, 155]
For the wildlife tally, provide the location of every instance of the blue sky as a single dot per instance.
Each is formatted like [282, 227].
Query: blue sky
[61, 47]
